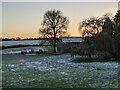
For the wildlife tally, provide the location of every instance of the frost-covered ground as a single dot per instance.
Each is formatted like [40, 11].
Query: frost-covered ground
[57, 71]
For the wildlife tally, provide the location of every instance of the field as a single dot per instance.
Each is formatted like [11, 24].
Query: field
[48, 71]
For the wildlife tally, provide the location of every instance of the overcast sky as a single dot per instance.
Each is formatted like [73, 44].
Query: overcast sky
[23, 19]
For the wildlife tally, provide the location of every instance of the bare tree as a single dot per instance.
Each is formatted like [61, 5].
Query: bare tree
[91, 27]
[54, 24]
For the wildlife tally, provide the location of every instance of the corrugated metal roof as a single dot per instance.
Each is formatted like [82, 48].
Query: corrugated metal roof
[72, 39]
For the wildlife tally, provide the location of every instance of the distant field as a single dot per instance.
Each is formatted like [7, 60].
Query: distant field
[20, 42]
[48, 71]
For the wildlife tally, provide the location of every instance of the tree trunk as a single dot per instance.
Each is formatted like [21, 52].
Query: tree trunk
[54, 42]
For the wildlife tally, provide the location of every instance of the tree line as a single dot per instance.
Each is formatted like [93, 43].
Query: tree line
[102, 34]
[18, 38]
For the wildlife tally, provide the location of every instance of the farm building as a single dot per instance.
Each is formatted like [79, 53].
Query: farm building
[66, 44]
[63, 44]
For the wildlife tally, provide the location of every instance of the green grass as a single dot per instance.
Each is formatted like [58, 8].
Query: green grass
[57, 71]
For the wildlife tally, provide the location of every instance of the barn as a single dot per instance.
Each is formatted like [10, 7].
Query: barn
[66, 44]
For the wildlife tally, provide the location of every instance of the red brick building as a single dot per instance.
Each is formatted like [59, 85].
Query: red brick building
[66, 44]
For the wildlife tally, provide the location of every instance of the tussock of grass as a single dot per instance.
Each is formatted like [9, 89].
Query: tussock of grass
[91, 59]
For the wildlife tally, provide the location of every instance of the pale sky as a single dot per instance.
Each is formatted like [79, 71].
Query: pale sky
[23, 19]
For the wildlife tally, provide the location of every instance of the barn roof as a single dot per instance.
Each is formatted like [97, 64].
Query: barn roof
[71, 39]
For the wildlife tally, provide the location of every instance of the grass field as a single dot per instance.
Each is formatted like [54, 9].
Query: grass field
[48, 71]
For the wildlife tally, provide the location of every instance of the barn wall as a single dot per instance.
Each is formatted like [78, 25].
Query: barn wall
[68, 47]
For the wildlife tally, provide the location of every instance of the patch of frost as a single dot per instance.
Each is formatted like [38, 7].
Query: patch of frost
[11, 65]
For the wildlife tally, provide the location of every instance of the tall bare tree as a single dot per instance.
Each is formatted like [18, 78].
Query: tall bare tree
[54, 24]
